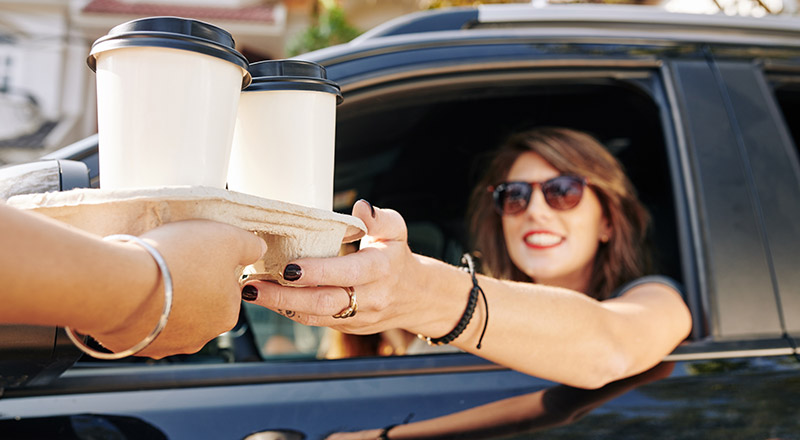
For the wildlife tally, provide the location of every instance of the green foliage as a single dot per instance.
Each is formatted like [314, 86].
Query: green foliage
[331, 28]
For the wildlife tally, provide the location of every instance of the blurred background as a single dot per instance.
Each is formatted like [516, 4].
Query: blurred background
[47, 96]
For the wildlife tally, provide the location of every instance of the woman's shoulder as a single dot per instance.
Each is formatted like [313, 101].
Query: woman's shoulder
[658, 279]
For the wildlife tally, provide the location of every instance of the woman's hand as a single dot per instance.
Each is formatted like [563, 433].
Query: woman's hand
[389, 282]
[202, 257]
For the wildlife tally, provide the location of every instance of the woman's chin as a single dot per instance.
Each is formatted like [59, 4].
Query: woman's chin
[541, 276]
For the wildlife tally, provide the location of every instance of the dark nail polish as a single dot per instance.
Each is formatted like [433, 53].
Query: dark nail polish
[292, 272]
[371, 208]
[249, 293]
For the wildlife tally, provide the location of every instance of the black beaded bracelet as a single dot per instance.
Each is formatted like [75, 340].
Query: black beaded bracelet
[468, 312]
[384, 435]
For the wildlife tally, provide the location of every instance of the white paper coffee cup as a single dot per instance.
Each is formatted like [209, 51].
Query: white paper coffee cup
[167, 94]
[284, 141]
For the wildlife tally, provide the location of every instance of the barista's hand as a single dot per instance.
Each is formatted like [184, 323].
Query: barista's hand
[202, 257]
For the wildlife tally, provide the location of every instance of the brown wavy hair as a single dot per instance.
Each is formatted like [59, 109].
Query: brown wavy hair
[622, 259]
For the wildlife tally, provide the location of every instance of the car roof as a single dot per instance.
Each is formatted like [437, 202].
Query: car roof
[577, 22]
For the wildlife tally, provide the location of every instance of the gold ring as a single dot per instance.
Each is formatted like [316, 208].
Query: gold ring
[351, 308]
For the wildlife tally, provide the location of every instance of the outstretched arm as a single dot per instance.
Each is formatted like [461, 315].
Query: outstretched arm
[53, 274]
[548, 332]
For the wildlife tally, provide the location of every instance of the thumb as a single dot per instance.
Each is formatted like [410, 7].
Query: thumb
[253, 247]
[382, 224]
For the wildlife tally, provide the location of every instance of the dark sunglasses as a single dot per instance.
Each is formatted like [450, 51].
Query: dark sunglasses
[560, 193]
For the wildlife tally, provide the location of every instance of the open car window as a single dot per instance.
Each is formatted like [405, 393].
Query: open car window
[420, 147]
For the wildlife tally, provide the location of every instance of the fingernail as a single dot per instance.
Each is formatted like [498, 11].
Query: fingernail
[249, 293]
[371, 208]
[292, 272]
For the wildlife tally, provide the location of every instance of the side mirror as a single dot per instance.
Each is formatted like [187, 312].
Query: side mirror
[36, 355]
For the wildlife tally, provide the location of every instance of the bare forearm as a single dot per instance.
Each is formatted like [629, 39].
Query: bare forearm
[551, 332]
[53, 274]
[548, 332]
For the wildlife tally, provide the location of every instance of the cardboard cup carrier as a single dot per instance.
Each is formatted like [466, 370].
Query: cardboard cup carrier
[283, 145]
[167, 94]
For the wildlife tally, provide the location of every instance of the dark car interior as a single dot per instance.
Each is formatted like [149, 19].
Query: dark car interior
[787, 92]
[422, 151]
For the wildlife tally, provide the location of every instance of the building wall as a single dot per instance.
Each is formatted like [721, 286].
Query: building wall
[44, 58]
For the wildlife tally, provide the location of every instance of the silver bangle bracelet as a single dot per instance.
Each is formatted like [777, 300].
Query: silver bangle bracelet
[162, 321]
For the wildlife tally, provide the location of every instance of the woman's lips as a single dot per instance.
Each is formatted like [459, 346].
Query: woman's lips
[542, 239]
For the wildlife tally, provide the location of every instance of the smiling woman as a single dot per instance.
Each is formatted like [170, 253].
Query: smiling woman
[562, 218]
[594, 244]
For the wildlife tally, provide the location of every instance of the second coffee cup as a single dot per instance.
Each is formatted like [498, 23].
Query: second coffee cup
[283, 144]
[167, 93]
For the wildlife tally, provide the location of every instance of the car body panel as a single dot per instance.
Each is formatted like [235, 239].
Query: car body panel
[640, 406]
[737, 287]
[773, 163]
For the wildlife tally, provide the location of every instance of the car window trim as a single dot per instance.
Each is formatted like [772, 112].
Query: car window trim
[356, 89]
[695, 265]
[662, 40]
[706, 350]
[107, 378]
[138, 378]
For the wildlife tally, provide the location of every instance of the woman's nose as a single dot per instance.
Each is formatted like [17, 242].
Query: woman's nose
[538, 207]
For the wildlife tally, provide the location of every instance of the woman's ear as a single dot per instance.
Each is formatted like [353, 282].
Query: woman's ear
[605, 230]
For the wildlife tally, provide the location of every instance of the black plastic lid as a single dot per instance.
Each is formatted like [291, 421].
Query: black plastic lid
[291, 75]
[174, 33]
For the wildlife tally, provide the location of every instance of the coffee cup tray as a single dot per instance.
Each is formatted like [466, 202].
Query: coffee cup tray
[290, 231]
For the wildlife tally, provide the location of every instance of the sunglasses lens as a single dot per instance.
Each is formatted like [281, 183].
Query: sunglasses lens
[563, 192]
[512, 198]
[560, 193]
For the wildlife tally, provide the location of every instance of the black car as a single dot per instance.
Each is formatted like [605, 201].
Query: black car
[703, 111]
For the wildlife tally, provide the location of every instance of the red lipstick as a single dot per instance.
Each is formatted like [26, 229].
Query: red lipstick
[542, 239]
